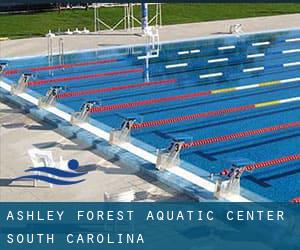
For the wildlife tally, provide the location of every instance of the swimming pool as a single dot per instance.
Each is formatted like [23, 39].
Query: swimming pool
[232, 98]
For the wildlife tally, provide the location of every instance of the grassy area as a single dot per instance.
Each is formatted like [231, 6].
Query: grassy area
[25, 25]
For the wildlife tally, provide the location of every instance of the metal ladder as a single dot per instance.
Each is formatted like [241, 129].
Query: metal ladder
[153, 47]
[50, 53]
[61, 53]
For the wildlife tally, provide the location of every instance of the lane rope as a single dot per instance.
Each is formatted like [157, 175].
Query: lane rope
[268, 163]
[146, 102]
[65, 66]
[191, 117]
[80, 77]
[263, 164]
[296, 200]
[240, 135]
[188, 96]
[111, 89]
[160, 122]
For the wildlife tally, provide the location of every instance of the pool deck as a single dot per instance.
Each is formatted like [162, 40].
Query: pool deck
[106, 176]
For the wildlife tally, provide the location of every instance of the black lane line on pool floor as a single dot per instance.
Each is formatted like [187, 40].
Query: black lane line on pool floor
[257, 181]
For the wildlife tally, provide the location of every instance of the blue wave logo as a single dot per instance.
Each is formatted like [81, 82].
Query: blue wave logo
[62, 174]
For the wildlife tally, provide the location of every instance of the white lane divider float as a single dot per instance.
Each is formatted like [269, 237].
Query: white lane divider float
[225, 59]
[256, 55]
[226, 47]
[291, 40]
[253, 69]
[261, 44]
[256, 85]
[291, 64]
[178, 65]
[183, 52]
[147, 56]
[186, 52]
[290, 51]
[293, 99]
[194, 51]
[211, 75]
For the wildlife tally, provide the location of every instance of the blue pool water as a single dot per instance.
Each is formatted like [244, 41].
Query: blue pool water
[237, 61]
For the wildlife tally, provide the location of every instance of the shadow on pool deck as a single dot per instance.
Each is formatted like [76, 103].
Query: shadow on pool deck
[8, 182]
[24, 125]
[97, 167]
[11, 111]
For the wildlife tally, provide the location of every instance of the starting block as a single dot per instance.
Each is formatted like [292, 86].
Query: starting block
[122, 135]
[3, 65]
[170, 157]
[84, 113]
[22, 84]
[231, 185]
[50, 97]
[226, 188]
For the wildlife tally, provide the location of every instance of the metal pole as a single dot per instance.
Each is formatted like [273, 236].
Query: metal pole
[128, 16]
[144, 14]
[132, 15]
[50, 53]
[156, 14]
[61, 51]
[160, 15]
[95, 18]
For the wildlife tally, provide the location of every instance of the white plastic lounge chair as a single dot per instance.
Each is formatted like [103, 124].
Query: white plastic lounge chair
[42, 158]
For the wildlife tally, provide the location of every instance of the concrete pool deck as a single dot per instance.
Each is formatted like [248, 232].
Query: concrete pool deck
[108, 177]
